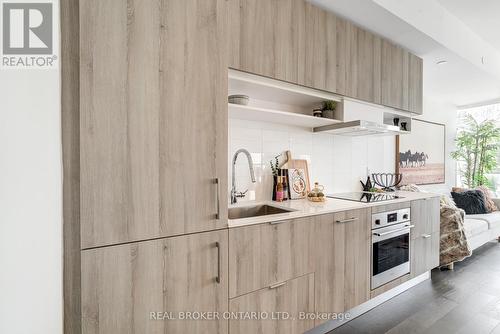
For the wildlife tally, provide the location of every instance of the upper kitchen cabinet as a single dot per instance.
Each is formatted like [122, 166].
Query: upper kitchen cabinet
[358, 62]
[364, 74]
[295, 41]
[264, 37]
[394, 87]
[415, 91]
[323, 64]
[402, 78]
[153, 119]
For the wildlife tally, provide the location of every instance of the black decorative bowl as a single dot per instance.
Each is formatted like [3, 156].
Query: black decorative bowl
[388, 181]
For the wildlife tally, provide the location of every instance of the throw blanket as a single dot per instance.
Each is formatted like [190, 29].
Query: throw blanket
[454, 246]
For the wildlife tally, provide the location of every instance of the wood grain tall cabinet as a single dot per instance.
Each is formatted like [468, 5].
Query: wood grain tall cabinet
[70, 111]
[153, 122]
[152, 140]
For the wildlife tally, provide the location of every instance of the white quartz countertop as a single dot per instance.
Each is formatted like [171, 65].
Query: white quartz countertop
[304, 208]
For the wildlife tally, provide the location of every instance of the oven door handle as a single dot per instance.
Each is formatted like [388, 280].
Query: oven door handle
[394, 231]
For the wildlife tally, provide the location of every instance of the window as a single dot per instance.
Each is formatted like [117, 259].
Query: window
[482, 113]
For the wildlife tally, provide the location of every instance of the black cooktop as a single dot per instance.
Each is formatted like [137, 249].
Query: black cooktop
[364, 196]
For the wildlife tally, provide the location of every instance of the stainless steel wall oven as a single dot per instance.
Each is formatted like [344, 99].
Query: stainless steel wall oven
[390, 246]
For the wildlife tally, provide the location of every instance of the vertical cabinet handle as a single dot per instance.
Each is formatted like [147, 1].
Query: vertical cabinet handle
[217, 278]
[217, 196]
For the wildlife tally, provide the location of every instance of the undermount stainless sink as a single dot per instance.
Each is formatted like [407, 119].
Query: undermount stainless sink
[255, 211]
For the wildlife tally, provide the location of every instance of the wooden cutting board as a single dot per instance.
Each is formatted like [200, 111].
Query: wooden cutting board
[300, 164]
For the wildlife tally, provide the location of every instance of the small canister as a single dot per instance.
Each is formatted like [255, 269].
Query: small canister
[318, 113]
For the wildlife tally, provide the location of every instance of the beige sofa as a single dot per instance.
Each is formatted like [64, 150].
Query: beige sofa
[480, 229]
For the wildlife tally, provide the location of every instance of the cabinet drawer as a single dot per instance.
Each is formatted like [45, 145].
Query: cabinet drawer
[424, 253]
[425, 216]
[279, 303]
[261, 255]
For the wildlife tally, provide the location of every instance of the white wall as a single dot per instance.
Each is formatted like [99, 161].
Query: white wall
[337, 162]
[446, 114]
[30, 202]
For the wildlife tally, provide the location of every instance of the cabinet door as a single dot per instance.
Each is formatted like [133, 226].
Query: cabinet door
[424, 253]
[317, 50]
[363, 64]
[153, 118]
[393, 73]
[323, 53]
[377, 69]
[330, 264]
[415, 90]
[341, 55]
[264, 37]
[405, 99]
[262, 255]
[342, 270]
[352, 62]
[124, 286]
[366, 85]
[357, 255]
[323, 66]
[425, 235]
[425, 216]
[278, 302]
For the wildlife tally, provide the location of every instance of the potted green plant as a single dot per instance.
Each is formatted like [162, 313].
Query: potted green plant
[329, 108]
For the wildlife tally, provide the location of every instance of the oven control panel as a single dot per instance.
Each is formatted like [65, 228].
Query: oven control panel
[388, 218]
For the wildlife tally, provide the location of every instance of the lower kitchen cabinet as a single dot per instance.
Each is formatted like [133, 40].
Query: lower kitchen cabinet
[425, 235]
[126, 287]
[424, 253]
[342, 259]
[425, 217]
[261, 255]
[282, 308]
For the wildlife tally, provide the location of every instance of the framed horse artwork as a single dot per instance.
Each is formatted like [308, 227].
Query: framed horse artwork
[420, 155]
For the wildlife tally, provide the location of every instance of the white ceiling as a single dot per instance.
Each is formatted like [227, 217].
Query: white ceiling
[464, 79]
[482, 16]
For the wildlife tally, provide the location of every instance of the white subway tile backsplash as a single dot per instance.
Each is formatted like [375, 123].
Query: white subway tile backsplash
[337, 162]
[278, 136]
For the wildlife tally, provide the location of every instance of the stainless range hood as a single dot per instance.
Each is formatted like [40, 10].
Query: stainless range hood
[359, 128]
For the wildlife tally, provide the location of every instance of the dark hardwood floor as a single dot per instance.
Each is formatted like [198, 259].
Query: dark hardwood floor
[464, 301]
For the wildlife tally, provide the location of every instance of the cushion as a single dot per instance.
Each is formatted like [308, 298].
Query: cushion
[474, 227]
[490, 204]
[493, 218]
[471, 201]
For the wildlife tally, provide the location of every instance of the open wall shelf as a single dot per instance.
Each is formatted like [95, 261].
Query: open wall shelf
[403, 117]
[250, 113]
[275, 101]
